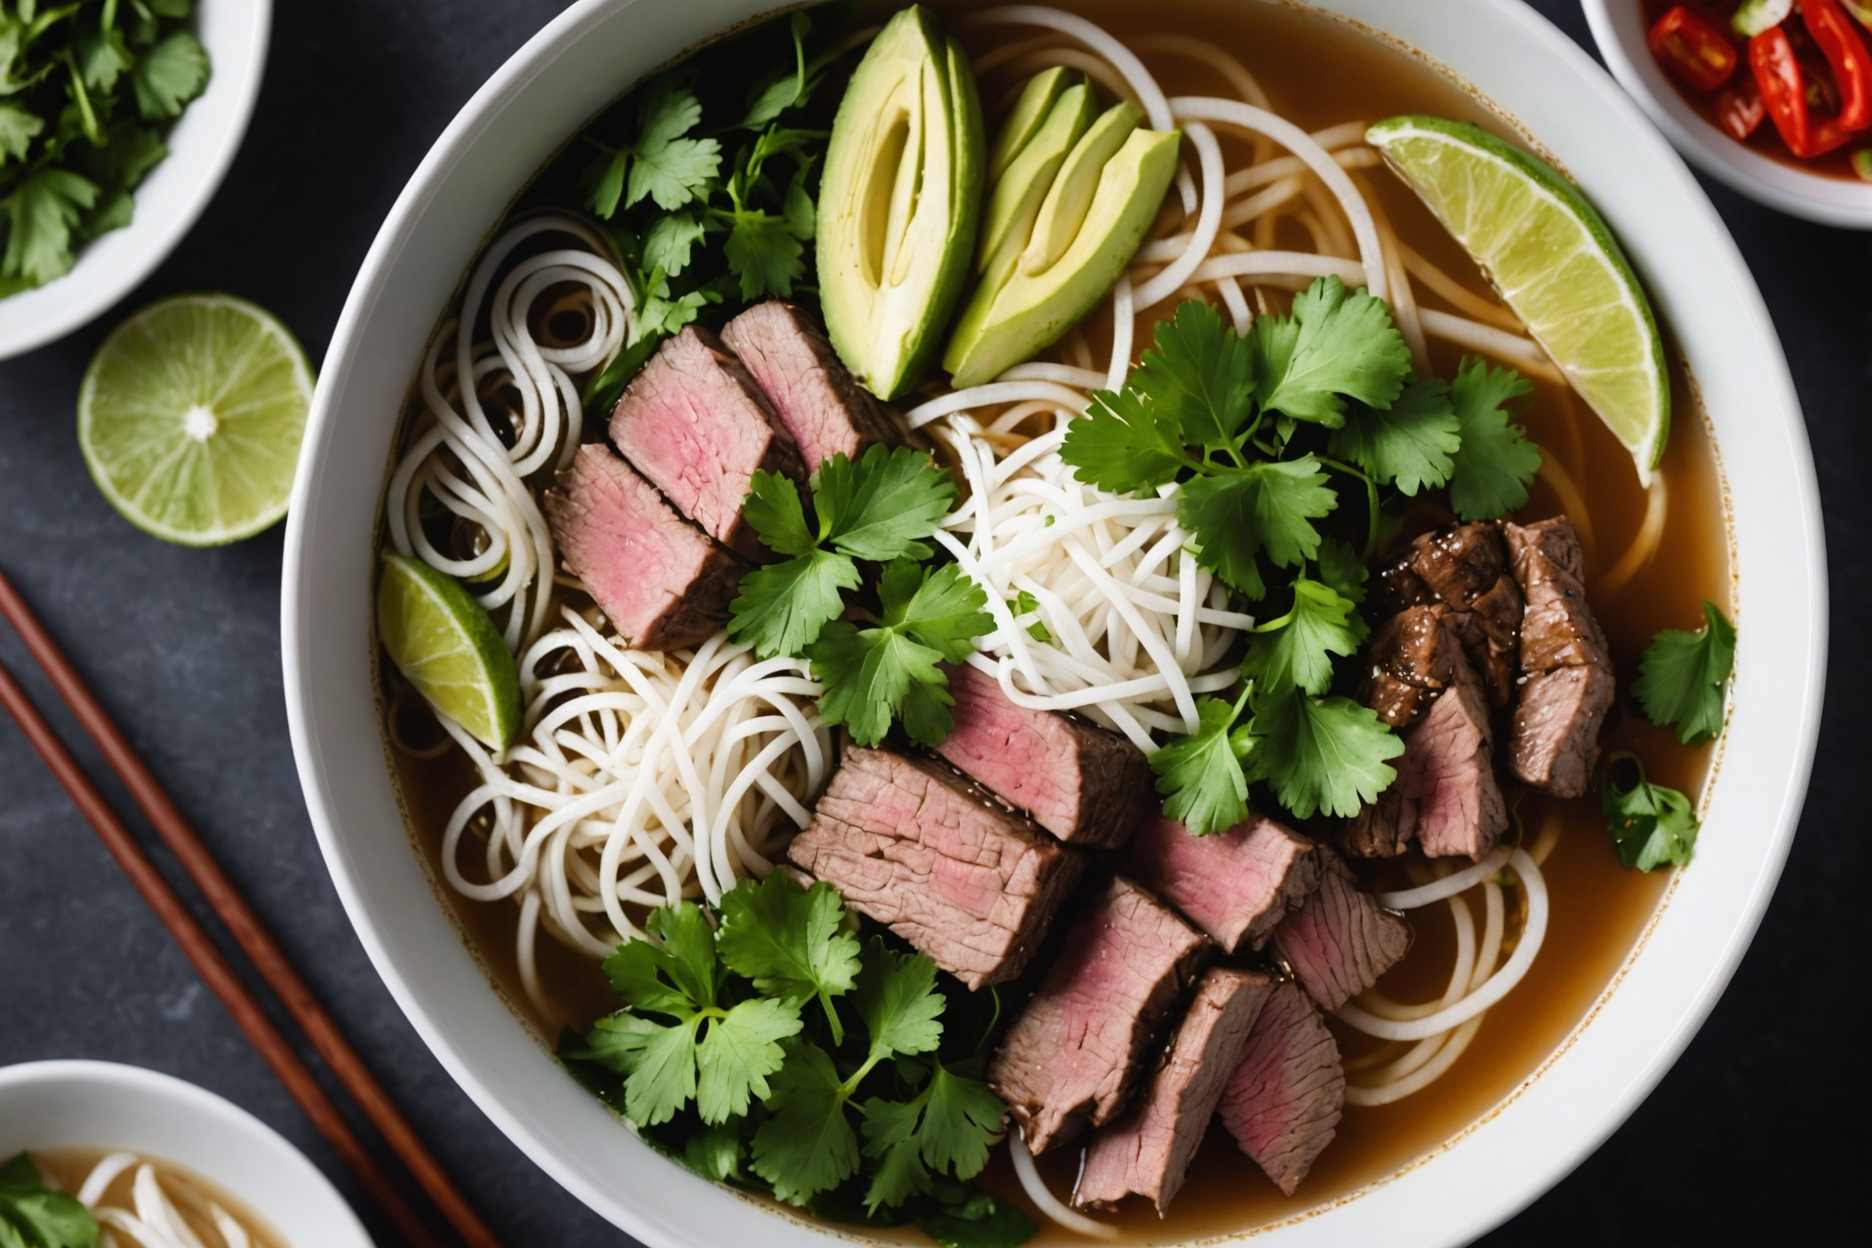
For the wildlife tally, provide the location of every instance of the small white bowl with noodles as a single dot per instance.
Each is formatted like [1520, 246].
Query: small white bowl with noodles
[1523, 1026]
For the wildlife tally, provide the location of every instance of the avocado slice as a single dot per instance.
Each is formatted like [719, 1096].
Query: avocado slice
[1070, 198]
[1017, 195]
[899, 203]
[1030, 110]
[1084, 237]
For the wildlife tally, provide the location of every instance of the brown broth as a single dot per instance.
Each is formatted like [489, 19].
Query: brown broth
[1599, 909]
[67, 1168]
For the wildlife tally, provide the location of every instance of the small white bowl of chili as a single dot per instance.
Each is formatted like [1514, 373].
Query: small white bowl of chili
[1772, 97]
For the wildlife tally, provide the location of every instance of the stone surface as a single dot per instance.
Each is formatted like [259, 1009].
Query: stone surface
[183, 646]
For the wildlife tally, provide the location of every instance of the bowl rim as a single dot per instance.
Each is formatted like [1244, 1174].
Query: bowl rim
[205, 1111]
[1509, 1178]
[61, 306]
[1617, 31]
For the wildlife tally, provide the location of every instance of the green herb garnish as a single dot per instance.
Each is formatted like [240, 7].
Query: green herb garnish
[32, 1215]
[1682, 675]
[1651, 825]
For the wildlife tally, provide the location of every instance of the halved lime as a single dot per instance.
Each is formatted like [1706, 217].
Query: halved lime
[190, 418]
[1554, 261]
[442, 640]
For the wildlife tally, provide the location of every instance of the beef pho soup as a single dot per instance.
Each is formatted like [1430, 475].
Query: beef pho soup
[129, 1200]
[992, 619]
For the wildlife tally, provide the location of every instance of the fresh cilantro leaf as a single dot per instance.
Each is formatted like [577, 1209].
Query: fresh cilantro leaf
[949, 1126]
[41, 214]
[799, 213]
[1198, 374]
[604, 183]
[941, 608]
[739, 1051]
[169, 75]
[1124, 444]
[1341, 568]
[18, 128]
[784, 608]
[880, 506]
[898, 1001]
[1266, 508]
[784, 89]
[1411, 444]
[1025, 604]
[664, 166]
[1296, 650]
[980, 1222]
[715, 1152]
[790, 941]
[671, 239]
[890, 1134]
[102, 58]
[1320, 754]
[1682, 675]
[1651, 825]
[774, 512]
[33, 1215]
[664, 313]
[657, 1060]
[1496, 461]
[1336, 345]
[764, 254]
[1200, 775]
[806, 1145]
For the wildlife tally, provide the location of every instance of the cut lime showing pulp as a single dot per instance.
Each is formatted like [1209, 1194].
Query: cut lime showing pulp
[190, 418]
[442, 640]
[1555, 263]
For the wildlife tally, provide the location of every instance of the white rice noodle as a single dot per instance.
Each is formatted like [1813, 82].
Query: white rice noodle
[1522, 352]
[1644, 547]
[1244, 180]
[1453, 292]
[1045, 1201]
[153, 1220]
[1096, 68]
[1572, 502]
[1208, 221]
[1449, 886]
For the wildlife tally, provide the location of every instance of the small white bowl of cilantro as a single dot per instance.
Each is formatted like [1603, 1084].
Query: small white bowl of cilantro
[118, 119]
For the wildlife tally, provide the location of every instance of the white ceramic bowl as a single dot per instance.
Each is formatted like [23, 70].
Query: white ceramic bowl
[102, 1105]
[1618, 28]
[201, 147]
[596, 49]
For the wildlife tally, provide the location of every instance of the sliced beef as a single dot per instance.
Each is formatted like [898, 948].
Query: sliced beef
[1072, 1054]
[1566, 670]
[1413, 659]
[911, 844]
[1083, 784]
[1147, 1151]
[1283, 1102]
[1466, 569]
[697, 427]
[662, 583]
[817, 401]
[1235, 885]
[1446, 796]
[1341, 940]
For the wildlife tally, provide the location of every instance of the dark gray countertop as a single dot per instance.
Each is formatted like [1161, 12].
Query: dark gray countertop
[184, 648]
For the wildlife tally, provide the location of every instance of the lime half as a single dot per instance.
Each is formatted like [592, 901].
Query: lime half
[1555, 263]
[190, 418]
[443, 641]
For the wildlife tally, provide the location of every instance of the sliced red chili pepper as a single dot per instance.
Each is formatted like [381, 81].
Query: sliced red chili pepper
[1846, 56]
[1783, 87]
[1692, 48]
[1739, 109]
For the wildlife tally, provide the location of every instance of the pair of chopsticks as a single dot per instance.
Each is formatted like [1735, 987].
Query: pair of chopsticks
[248, 931]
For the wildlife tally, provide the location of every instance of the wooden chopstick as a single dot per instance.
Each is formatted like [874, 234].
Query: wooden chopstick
[245, 926]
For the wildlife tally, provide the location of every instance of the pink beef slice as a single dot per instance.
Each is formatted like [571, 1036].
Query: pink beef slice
[662, 583]
[697, 427]
[1283, 1102]
[820, 404]
[1567, 684]
[1235, 885]
[1445, 796]
[1341, 940]
[911, 844]
[1147, 1151]
[1072, 1054]
[1083, 784]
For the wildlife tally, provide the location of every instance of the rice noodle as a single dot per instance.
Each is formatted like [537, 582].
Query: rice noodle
[1450, 885]
[1572, 502]
[1045, 1201]
[153, 1218]
[1644, 547]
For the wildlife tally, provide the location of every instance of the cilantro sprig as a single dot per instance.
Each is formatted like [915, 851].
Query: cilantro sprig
[88, 90]
[716, 1059]
[33, 1215]
[1651, 825]
[1261, 435]
[1682, 677]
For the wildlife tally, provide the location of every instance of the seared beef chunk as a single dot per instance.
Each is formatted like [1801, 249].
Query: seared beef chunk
[910, 844]
[1413, 659]
[1567, 683]
[662, 583]
[817, 401]
[1083, 784]
[1465, 568]
[1071, 1055]
[1235, 885]
[1445, 796]
[1282, 1103]
[695, 424]
[1341, 940]
[1148, 1150]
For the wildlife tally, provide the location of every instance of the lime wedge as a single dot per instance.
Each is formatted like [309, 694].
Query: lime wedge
[443, 641]
[1555, 263]
[190, 418]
